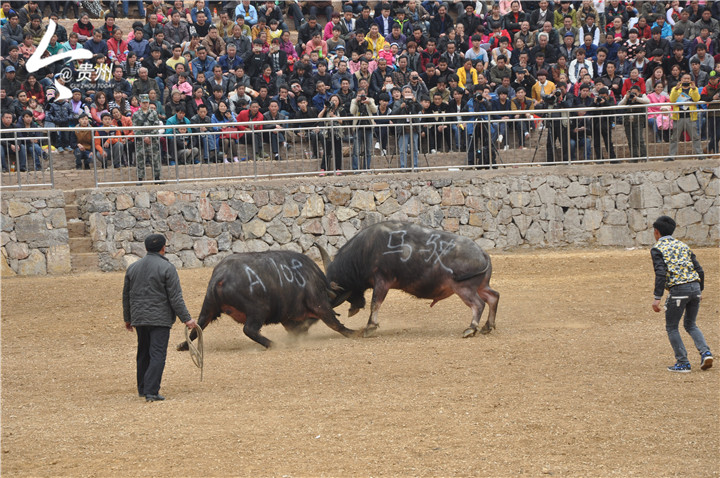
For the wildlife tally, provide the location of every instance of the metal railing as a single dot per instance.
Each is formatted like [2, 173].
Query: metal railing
[395, 143]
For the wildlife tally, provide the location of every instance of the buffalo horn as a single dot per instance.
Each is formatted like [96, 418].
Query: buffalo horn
[325, 256]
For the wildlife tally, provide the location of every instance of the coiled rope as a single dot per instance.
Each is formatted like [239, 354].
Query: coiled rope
[196, 352]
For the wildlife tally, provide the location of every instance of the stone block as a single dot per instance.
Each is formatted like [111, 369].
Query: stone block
[535, 234]
[616, 218]
[331, 225]
[142, 199]
[189, 259]
[213, 229]
[224, 241]
[712, 216]
[688, 216]
[57, 218]
[413, 207]
[338, 196]
[124, 220]
[279, 232]
[696, 234]
[636, 220]
[269, 211]
[645, 196]
[256, 245]
[166, 198]
[429, 195]
[363, 201]
[315, 206]
[452, 196]
[291, 209]
[451, 224]
[614, 236]
[261, 198]
[389, 207]
[205, 207]
[254, 229]
[33, 230]
[205, 247]
[547, 194]
[576, 189]
[17, 250]
[5, 269]
[522, 223]
[177, 223]
[196, 229]
[382, 195]
[239, 247]
[432, 217]
[123, 202]
[6, 224]
[344, 213]
[225, 213]
[18, 208]
[178, 241]
[313, 226]
[688, 183]
[34, 265]
[58, 260]
[592, 219]
[139, 213]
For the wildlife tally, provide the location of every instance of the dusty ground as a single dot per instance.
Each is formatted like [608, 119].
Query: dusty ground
[572, 383]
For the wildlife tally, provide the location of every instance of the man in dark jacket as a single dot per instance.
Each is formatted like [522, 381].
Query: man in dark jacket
[152, 298]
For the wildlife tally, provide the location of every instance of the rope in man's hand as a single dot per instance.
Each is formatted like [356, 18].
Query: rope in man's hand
[196, 352]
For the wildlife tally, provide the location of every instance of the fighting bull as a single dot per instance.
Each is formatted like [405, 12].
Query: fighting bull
[268, 288]
[423, 262]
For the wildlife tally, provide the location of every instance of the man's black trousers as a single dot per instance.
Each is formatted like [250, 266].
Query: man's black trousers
[151, 354]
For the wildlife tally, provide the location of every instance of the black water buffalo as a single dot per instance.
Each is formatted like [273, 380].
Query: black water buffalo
[268, 288]
[423, 262]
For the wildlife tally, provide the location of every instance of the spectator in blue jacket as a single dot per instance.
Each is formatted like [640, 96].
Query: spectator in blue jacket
[96, 44]
[203, 63]
[231, 60]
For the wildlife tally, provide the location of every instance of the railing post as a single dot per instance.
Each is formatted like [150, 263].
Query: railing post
[94, 156]
[50, 162]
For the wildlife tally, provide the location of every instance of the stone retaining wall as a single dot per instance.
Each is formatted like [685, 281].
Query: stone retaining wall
[34, 233]
[511, 208]
[502, 210]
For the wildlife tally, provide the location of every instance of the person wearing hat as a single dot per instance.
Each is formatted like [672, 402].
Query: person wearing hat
[152, 298]
[711, 95]
[147, 149]
[10, 82]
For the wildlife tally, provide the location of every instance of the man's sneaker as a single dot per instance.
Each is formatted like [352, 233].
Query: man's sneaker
[377, 145]
[500, 139]
[680, 367]
[433, 151]
[705, 360]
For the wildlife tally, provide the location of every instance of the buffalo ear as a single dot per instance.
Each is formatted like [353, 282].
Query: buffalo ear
[325, 256]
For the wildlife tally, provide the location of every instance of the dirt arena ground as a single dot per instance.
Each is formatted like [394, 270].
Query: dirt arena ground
[572, 383]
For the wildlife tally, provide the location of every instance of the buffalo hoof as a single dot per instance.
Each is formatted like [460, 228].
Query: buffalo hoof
[352, 312]
[486, 329]
[182, 347]
[369, 331]
[469, 332]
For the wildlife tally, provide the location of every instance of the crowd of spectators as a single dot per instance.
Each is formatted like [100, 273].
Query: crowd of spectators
[182, 63]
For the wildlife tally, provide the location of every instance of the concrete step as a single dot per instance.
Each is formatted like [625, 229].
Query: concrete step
[84, 262]
[76, 228]
[72, 211]
[80, 244]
